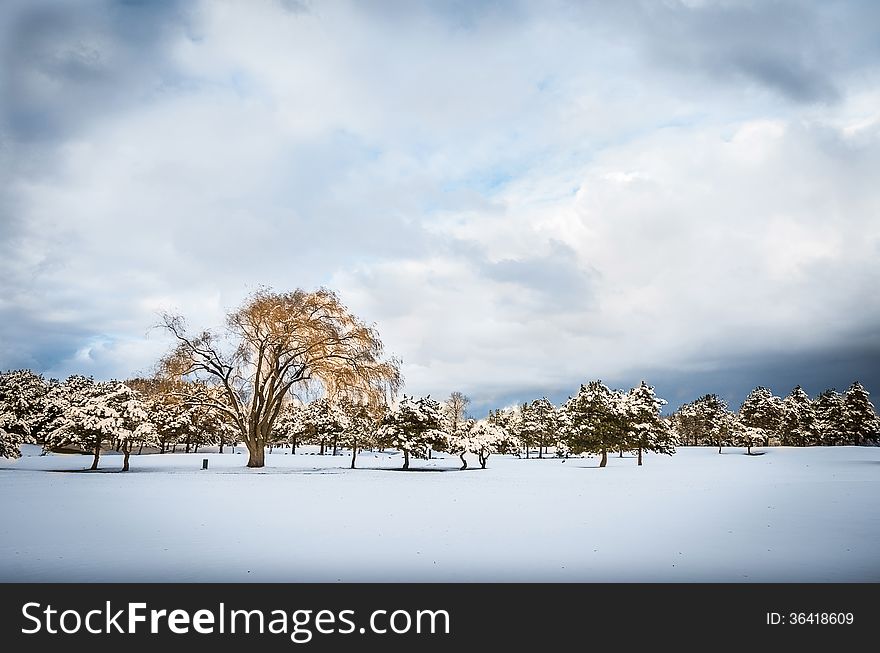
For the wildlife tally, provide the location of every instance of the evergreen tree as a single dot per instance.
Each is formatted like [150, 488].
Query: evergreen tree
[413, 426]
[706, 420]
[798, 427]
[510, 421]
[830, 409]
[646, 429]
[594, 420]
[761, 409]
[862, 425]
[22, 398]
[539, 423]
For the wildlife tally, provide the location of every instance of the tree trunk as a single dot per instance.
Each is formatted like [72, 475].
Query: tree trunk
[174, 448]
[527, 452]
[162, 446]
[256, 453]
[322, 447]
[97, 455]
[127, 453]
[141, 449]
[292, 446]
[221, 446]
[334, 445]
[354, 453]
[719, 446]
[405, 459]
[463, 461]
[429, 453]
[483, 460]
[748, 450]
[604, 460]
[640, 456]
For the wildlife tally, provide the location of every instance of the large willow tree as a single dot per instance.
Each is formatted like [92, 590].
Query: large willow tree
[270, 345]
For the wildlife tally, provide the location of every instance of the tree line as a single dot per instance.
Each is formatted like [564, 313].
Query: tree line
[296, 368]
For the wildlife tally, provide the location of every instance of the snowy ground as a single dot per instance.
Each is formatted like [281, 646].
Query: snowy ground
[788, 515]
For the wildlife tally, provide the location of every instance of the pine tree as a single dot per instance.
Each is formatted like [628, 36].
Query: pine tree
[862, 425]
[762, 409]
[482, 437]
[510, 421]
[539, 423]
[22, 403]
[594, 420]
[646, 430]
[413, 426]
[830, 409]
[706, 420]
[798, 428]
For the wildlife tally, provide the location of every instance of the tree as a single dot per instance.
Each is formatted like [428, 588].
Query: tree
[830, 409]
[361, 426]
[862, 424]
[413, 426]
[762, 409]
[798, 427]
[272, 343]
[88, 414]
[593, 420]
[484, 437]
[510, 421]
[455, 411]
[325, 421]
[129, 423]
[749, 436]
[539, 423]
[22, 396]
[646, 429]
[708, 420]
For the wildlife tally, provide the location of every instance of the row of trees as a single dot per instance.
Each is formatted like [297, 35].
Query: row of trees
[796, 420]
[245, 382]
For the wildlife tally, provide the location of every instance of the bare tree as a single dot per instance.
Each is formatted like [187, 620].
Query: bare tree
[269, 345]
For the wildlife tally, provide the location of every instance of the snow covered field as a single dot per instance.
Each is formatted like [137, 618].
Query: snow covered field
[788, 515]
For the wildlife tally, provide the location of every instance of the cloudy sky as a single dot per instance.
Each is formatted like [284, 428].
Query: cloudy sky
[521, 195]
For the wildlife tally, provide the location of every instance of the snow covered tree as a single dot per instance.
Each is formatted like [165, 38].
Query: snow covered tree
[129, 424]
[862, 424]
[798, 427]
[413, 426]
[480, 437]
[88, 414]
[706, 420]
[646, 430]
[325, 422]
[749, 436]
[485, 437]
[539, 424]
[763, 410]
[361, 426]
[291, 425]
[272, 343]
[594, 420]
[22, 396]
[508, 420]
[830, 409]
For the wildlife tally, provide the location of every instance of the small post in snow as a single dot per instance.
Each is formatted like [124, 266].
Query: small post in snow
[204, 463]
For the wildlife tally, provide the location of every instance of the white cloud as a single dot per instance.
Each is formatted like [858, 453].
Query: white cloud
[519, 201]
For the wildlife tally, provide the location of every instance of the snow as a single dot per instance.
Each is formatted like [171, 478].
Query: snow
[787, 515]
